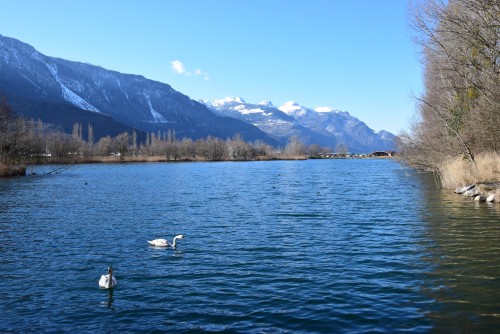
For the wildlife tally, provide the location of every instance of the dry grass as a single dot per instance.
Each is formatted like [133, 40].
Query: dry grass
[111, 159]
[292, 157]
[8, 170]
[459, 172]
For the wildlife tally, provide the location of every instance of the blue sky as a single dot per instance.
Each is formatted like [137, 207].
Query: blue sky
[356, 56]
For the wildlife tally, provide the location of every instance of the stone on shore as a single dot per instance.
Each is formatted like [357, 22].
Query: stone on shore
[481, 191]
[471, 193]
[462, 190]
[480, 198]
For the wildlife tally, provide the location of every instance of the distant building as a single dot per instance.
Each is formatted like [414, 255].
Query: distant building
[382, 154]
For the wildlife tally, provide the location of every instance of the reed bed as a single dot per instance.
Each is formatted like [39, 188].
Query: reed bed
[459, 172]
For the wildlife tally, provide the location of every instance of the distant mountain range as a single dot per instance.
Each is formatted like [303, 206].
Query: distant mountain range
[63, 92]
[324, 125]
[269, 119]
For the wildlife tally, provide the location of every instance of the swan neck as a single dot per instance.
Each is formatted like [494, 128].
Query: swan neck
[110, 279]
[175, 240]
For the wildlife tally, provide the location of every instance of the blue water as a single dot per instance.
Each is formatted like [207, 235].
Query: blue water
[317, 246]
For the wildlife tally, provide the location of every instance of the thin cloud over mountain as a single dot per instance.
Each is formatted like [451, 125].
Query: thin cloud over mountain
[179, 68]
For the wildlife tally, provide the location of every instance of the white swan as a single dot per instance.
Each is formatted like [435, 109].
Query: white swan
[108, 281]
[164, 242]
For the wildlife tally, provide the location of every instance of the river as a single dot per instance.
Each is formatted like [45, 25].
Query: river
[316, 246]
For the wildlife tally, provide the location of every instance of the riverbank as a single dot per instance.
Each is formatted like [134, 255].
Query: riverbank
[481, 192]
[459, 172]
[12, 170]
[20, 170]
[478, 180]
[132, 159]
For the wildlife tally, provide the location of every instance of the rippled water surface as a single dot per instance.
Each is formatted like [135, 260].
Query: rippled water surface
[318, 246]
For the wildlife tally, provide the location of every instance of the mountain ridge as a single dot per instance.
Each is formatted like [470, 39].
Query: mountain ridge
[63, 92]
[269, 119]
[325, 126]
[129, 99]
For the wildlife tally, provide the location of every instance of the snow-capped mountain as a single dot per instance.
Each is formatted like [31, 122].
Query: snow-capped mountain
[64, 92]
[325, 126]
[267, 103]
[269, 119]
[345, 128]
[293, 109]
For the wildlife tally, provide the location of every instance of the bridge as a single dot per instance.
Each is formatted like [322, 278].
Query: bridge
[382, 154]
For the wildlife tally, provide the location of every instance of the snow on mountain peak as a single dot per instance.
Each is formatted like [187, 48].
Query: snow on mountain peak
[235, 99]
[325, 109]
[229, 99]
[289, 106]
[266, 103]
[293, 109]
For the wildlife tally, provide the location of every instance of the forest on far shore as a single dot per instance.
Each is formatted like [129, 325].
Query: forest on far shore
[27, 142]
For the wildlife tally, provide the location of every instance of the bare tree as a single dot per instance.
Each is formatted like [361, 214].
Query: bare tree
[104, 146]
[212, 148]
[295, 147]
[122, 142]
[90, 140]
[171, 146]
[133, 144]
[61, 147]
[238, 149]
[11, 135]
[459, 112]
[341, 149]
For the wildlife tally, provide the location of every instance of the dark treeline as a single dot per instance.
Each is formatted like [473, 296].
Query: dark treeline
[459, 110]
[24, 142]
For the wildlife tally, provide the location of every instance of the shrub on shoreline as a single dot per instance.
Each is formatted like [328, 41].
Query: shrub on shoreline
[460, 172]
[9, 171]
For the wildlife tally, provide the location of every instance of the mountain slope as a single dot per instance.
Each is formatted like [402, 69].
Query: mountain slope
[269, 119]
[119, 100]
[324, 126]
[347, 130]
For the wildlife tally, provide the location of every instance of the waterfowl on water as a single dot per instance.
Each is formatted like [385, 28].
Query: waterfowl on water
[164, 242]
[108, 281]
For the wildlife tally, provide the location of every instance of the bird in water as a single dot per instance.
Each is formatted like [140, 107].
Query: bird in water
[164, 242]
[108, 281]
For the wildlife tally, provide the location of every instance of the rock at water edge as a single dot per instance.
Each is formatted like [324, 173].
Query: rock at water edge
[462, 190]
[480, 198]
[471, 193]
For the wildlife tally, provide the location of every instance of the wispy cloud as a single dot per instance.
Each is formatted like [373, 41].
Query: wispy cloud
[199, 72]
[179, 68]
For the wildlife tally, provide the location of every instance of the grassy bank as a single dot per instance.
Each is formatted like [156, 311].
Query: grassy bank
[127, 159]
[16, 170]
[459, 172]
[12, 170]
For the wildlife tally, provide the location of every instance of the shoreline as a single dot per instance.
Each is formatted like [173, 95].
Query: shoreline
[481, 192]
[18, 170]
